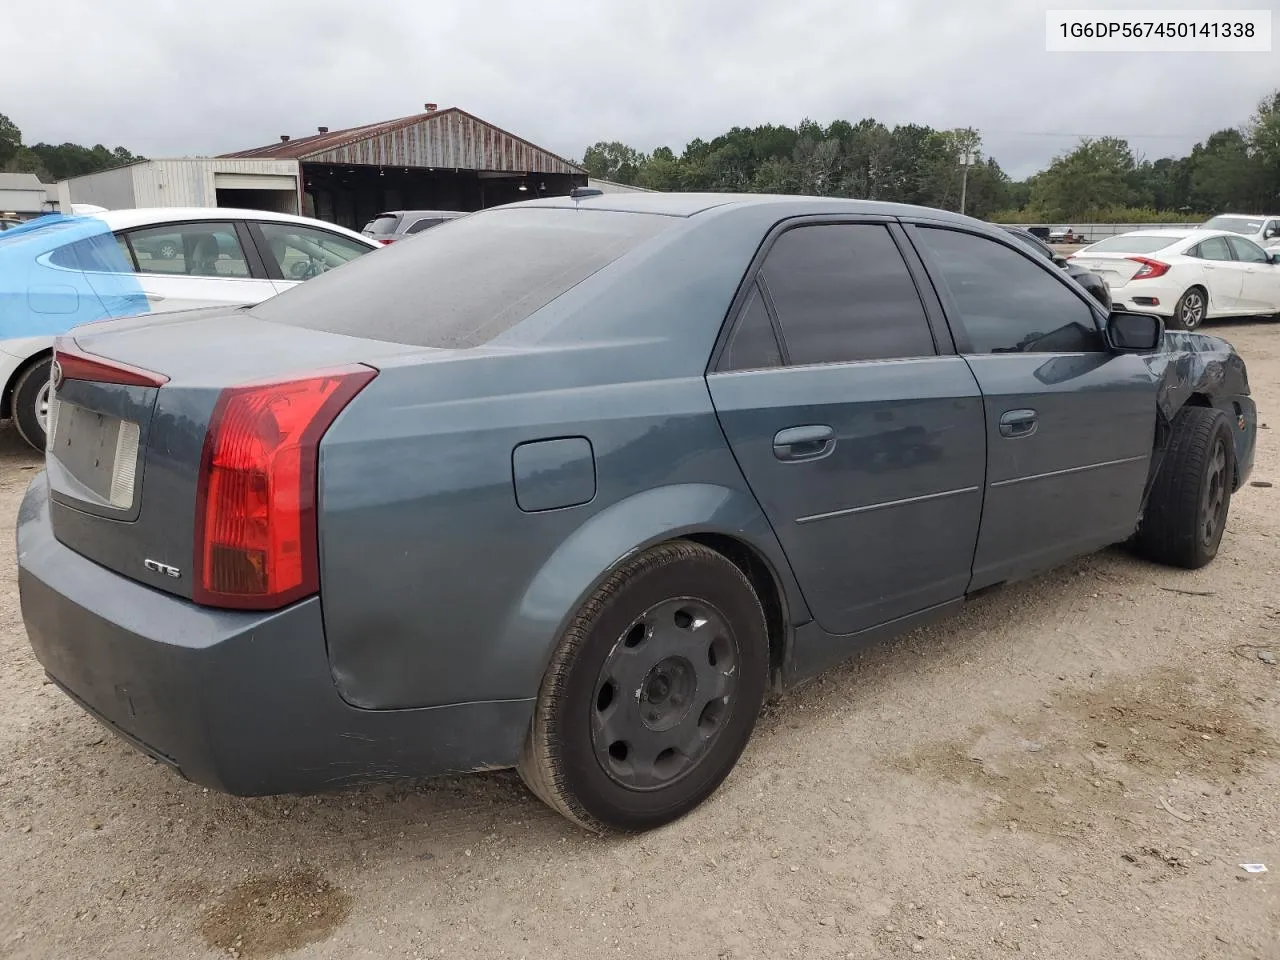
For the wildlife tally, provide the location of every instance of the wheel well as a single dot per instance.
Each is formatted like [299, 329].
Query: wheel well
[758, 570]
[1198, 400]
[6, 399]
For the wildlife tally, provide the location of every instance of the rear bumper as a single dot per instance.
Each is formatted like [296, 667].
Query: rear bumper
[240, 702]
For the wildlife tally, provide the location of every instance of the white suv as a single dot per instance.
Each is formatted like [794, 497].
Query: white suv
[1262, 230]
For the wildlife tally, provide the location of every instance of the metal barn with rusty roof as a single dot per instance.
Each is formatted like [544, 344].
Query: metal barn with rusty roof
[439, 160]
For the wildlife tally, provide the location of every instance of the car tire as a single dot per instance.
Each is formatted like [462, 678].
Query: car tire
[31, 402]
[1187, 509]
[1191, 309]
[652, 693]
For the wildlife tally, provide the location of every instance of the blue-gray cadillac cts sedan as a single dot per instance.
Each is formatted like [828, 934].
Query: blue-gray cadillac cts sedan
[572, 485]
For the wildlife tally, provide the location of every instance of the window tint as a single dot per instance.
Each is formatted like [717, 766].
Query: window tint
[101, 254]
[424, 223]
[1132, 243]
[1008, 303]
[203, 249]
[464, 286]
[843, 293]
[1215, 248]
[753, 345]
[1247, 250]
[304, 252]
[383, 225]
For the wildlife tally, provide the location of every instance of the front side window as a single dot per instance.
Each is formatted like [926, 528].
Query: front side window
[1247, 251]
[190, 250]
[843, 293]
[1007, 303]
[301, 252]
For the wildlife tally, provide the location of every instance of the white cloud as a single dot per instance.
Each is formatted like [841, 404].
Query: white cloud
[166, 79]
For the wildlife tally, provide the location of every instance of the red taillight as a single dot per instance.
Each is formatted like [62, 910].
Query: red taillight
[74, 364]
[386, 241]
[256, 505]
[1150, 268]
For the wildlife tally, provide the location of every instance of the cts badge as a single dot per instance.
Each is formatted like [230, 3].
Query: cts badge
[158, 567]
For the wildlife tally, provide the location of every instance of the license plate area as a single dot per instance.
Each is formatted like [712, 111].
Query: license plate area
[92, 456]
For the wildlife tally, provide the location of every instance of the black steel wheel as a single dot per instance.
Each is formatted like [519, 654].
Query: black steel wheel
[1191, 309]
[1187, 510]
[652, 693]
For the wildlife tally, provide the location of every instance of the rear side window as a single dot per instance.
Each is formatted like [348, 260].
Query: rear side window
[464, 286]
[753, 345]
[1007, 303]
[424, 223]
[1215, 248]
[101, 254]
[843, 293]
[199, 249]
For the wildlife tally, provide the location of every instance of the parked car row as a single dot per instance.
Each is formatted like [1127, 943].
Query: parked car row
[569, 485]
[1186, 276]
[60, 271]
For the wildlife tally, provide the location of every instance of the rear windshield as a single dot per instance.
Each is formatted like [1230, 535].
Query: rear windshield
[1132, 243]
[467, 281]
[1235, 225]
[382, 224]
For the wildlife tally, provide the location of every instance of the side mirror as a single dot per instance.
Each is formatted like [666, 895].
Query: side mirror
[1060, 261]
[1134, 332]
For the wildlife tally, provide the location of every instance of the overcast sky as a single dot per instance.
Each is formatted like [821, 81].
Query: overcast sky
[183, 79]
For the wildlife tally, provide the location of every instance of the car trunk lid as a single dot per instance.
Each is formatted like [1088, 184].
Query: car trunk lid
[130, 410]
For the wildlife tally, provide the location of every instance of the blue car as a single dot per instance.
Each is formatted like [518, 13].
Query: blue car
[572, 485]
[57, 272]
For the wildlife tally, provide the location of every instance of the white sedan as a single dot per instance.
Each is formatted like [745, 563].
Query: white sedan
[1186, 276]
[57, 272]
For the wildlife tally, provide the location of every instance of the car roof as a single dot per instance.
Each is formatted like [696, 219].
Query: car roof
[151, 216]
[421, 213]
[692, 204]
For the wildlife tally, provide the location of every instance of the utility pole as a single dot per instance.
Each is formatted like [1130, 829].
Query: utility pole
[968, 144]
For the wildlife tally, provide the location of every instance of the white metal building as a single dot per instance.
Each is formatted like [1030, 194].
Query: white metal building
[190, 182]
[22, 195]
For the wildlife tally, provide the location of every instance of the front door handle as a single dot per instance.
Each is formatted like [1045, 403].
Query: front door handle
[1018, 423]
[810, 442]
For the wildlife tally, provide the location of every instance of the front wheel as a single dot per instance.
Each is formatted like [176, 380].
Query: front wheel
[1186, 512]
[652, 694]
[31, 403]
[1190, 310]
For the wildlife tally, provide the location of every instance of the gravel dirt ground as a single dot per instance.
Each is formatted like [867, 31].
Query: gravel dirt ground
[1073, 767]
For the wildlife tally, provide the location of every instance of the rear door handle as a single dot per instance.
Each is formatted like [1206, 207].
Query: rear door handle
[811, 442]
[1018, 423]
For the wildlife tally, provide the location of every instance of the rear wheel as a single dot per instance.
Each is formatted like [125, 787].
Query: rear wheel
[652, 694]
[1187, 510]
[31, 402]
[1190, 310]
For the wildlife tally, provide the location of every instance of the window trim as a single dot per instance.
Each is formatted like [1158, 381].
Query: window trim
[955, 319]
[943, 342]
[766, 301]
[251, 257]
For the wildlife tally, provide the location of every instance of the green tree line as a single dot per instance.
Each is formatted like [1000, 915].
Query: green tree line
[1100, 179]
[51, 162]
